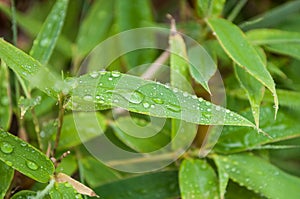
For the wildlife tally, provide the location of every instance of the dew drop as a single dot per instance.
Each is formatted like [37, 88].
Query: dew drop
[88, 98]
[136, 97]
[173, 107]
[31, 165]
[157, 100]
[110, 79]
[94, 74]
[6, 147]
[185, 94]
[146, 105]
[115, 74]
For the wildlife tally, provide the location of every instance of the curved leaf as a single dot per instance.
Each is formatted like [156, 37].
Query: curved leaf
[25, 158]
[45, 42]
[259, 175]
[24, 194]
[238, 48]
[197, 179]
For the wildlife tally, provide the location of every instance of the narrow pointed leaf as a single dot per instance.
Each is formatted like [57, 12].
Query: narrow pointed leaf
[45, 42]
[243, 53]
[254, 90]
[100, 90]
[25, 158]
[223, 179]
[259, 175]
[7, 174]
[286, 126]
[5, 101]
[197, 179]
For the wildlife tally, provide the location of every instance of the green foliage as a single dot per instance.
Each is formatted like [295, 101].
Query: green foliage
[52, 119]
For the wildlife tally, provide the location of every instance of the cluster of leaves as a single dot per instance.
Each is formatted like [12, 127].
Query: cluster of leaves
[251, 55]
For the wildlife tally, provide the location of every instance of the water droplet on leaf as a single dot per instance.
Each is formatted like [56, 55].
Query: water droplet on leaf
[31, 165]
[6, 147]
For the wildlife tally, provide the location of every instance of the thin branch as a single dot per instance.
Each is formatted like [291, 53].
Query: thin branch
[60, 122]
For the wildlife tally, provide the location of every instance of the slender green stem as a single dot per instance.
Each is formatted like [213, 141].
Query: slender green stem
[236, 10]
[14, 22]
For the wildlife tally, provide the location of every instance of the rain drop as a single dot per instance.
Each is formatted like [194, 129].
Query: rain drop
[88, 98]
[115, 74]
[173, 107]
[157, 100]
[94, 74]
[6, 147]
[185, 94]
[136, 97]
[31, 165]
[146, 105]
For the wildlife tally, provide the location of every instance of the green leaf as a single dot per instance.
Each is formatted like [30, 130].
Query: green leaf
[100, 90]
[149, 138]
[197, 179]
[29, 69]
[240, 139]
[96, 174]
[259, 175]
[63, 191]
[95, 26]
[75, 131]
[272, 17]
[135, 14]
[24, 194]
[5, 101]
[254, 90]
[25, 158]
[68, 165]
[238, 48]
[7, 174]
[273, 41]
[45, 42]
[149, 186]
[234, 191]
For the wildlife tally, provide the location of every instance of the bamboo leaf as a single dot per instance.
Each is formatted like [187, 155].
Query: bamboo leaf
[241, 52]
[197, 179]
[25, 158]
[45, 41]
[259, 175]
[101, 90]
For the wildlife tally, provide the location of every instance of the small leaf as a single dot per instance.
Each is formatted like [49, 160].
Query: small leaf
[45, 42]
[25, 158]
[28, 104]
[7, 174]
[148, 186]
[197, 179]
[259, 175]
[209, 8]
[100, 90]
[223, 179]
[79, 187]
[5, 100]
[284, 127]
[241, 52]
